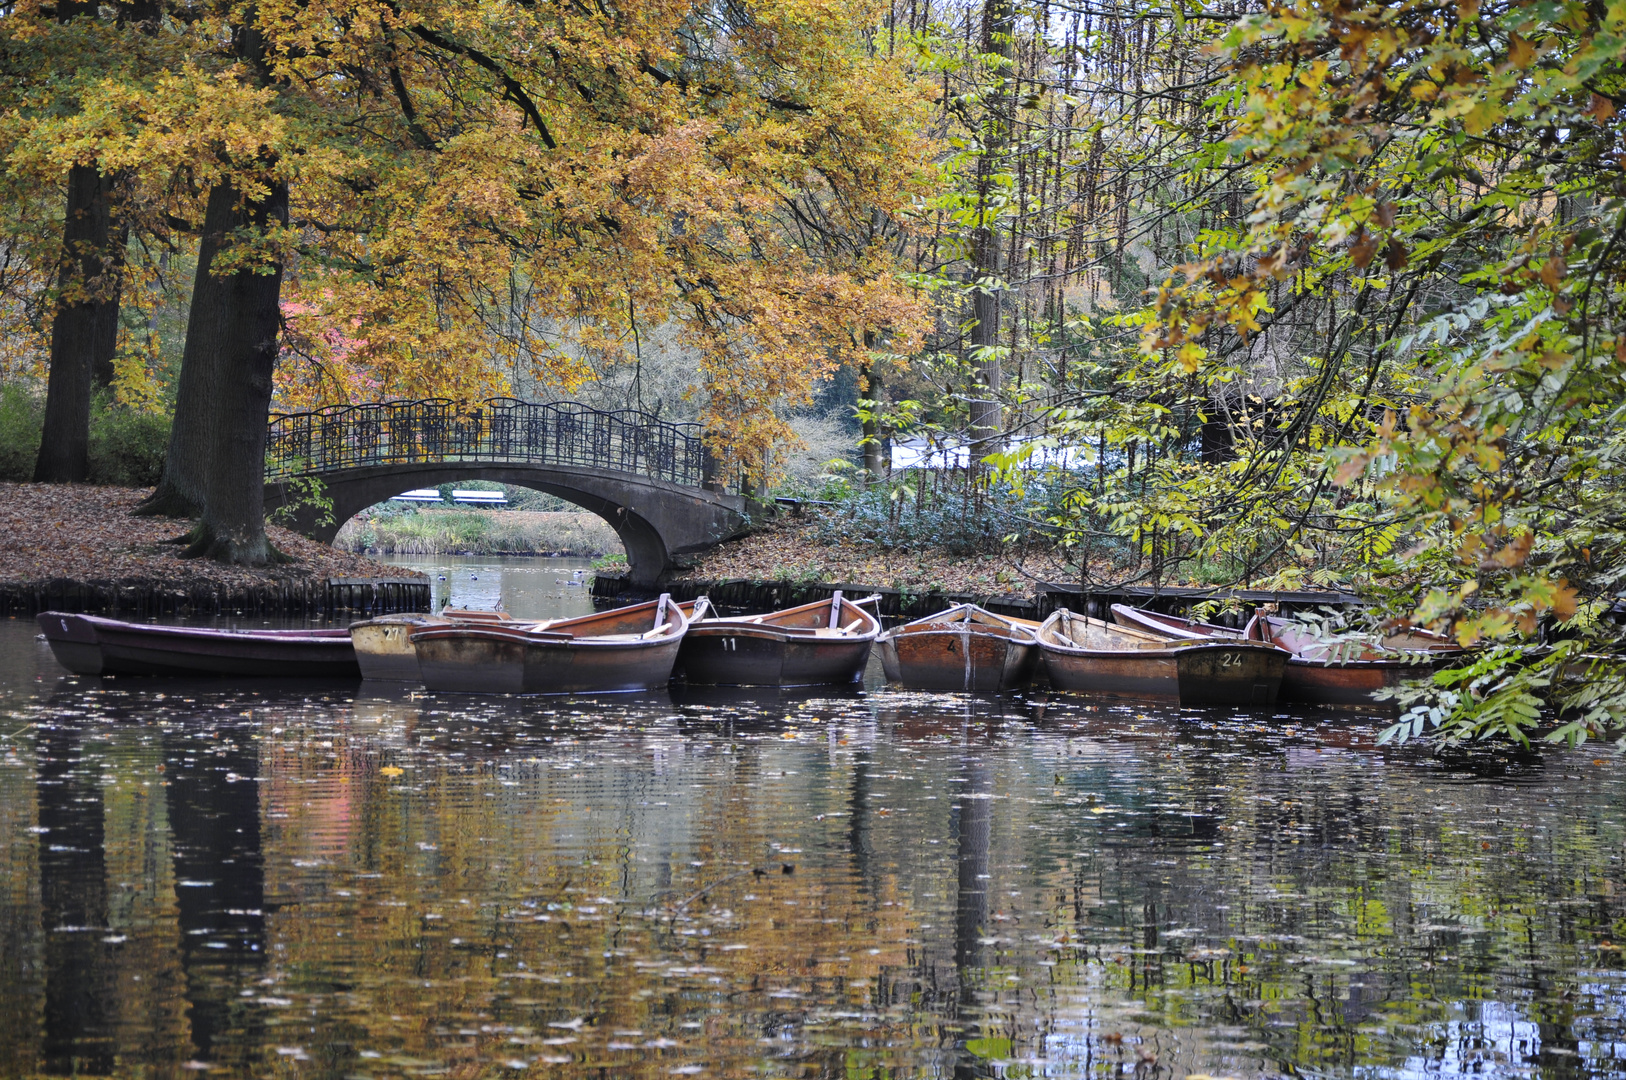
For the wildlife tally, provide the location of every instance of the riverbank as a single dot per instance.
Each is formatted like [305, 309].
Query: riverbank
[784, 564]
[786, 550]
[435, 531]
[79, 547]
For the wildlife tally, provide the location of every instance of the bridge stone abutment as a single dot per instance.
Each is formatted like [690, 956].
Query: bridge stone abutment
[655, 519]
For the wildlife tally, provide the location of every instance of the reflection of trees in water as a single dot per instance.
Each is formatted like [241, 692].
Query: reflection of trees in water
[214, 814]
[77, 1025]
[973, 822]
[623, 865]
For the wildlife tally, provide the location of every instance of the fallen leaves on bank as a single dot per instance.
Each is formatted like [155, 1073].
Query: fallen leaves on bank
[82, 533]
[785, 551]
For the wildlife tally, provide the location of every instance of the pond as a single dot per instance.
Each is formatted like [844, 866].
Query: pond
[338, 880]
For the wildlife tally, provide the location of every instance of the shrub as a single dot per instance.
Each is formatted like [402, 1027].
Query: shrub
[21, 418]
[127, 448]
[900, 516]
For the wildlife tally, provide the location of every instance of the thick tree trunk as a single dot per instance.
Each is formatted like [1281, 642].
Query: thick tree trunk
[191, 436]
[998, 24]
[84, 329]
[232, 528]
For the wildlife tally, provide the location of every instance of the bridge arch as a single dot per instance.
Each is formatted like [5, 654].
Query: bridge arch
[648, 479]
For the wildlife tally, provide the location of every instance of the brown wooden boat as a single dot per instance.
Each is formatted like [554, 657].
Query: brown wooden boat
[962, 648]
[384, 645]
[1320, 673]
[1090, 655]
[630, 648]
[92, 645]
[823, 643]
[1317, 673]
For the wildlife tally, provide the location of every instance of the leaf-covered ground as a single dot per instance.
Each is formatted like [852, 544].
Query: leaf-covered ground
[84, 533]
[785, 550]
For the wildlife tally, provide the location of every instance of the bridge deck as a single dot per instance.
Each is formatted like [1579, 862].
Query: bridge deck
[498, 430]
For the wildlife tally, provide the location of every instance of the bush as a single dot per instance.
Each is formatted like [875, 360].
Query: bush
[127, 448]
[21, 418]
[898, 516]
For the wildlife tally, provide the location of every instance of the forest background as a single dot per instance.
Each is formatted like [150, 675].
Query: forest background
[1303, 292]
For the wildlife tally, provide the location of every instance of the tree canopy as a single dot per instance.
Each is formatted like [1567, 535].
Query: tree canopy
[1319, 291]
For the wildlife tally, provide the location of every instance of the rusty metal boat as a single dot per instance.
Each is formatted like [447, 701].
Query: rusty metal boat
[964, 647]
[1094, 656]
[824, 643]
[1323, 673]
[384, 646]
[629, 648]
[93, 645]
[1318, 672]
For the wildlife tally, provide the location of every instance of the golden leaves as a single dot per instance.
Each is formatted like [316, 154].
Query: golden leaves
[1553, 271]
[1520, 53]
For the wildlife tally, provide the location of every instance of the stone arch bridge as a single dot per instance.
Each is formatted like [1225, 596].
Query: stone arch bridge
[653, 481]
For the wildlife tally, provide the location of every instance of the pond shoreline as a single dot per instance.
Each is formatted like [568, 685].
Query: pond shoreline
[77, 547]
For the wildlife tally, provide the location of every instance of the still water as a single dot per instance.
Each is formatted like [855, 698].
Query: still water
[524, 586]
[346, 881]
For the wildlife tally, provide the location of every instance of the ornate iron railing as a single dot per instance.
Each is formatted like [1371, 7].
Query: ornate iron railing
[499, 430]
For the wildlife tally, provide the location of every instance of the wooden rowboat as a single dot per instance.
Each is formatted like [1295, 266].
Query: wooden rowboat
[1320, 673]
[92, 645]
[1088, 654]
[384, 645]
[823, 643]
[962, 648]
[630, 648]
[1317, 672]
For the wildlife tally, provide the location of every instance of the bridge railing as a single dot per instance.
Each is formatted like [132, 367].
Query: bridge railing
[498, 430]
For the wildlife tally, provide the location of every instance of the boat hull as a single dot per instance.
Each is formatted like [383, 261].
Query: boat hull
[487, 660]
[726, 654]
[384, 650]
[1196, 674]
[959, 659]
[1316, 682]
[91, 645]
[384, 645]
[627, 649]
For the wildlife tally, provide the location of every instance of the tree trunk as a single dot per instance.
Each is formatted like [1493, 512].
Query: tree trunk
[107, 316]
[998, 24]
[85, 327]
[232, 528]
[874, 457]
[208, 323]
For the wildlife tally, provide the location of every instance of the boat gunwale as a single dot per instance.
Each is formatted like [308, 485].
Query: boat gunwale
[1157, 623]
[1421, 659]
[1169, 646]
[548, 634]
[100, 623]
[756, 626]
[945, 622]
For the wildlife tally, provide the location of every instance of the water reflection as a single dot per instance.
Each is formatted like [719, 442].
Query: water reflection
[525, 586]
[317, 881]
